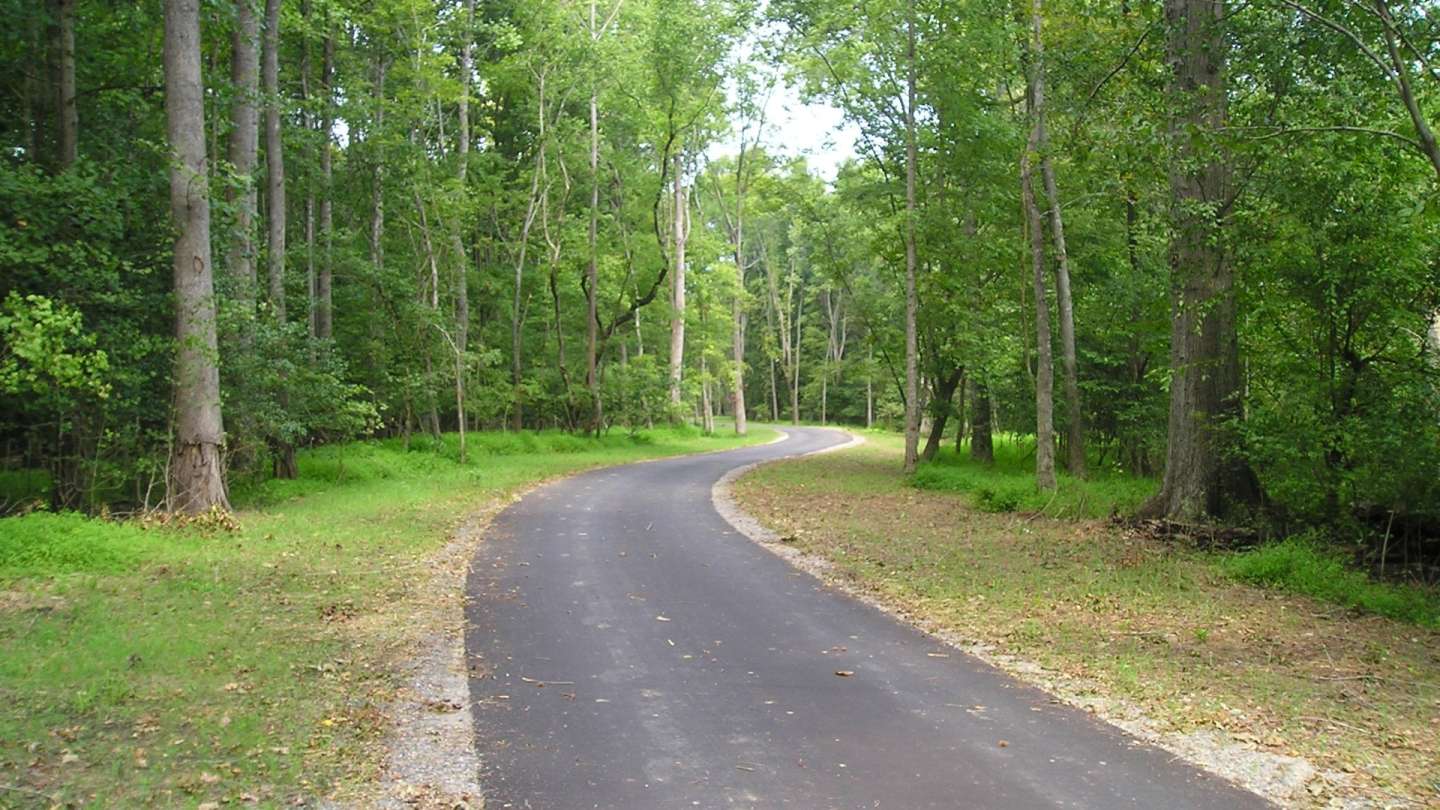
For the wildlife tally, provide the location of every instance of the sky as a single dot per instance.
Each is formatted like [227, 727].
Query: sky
[815, 130]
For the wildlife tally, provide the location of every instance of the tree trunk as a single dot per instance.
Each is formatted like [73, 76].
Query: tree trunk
[592, 274]
[677, 296]
[308, 124]
[196, 474]
[244, 144]
[274, 159]
[324, 277]
[462, 153]
[377, 187]
[940, 412]
[1044, 360]
[982, 442]
[67, 130]
[912, 305]
[1203, 480]
[1075, 426]
[737, 334]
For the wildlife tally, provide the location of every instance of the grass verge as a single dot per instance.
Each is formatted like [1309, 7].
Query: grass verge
[176, 668]
[1168, 629]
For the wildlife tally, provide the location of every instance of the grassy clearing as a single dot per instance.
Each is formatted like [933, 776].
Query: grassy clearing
[161, 667]
[1168, 628]
[1009, 484]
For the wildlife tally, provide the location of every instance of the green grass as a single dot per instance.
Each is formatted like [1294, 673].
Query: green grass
[1307, 566]
[168, 667]
[1009, 484]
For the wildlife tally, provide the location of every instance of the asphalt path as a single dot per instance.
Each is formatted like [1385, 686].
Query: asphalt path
[628, 648]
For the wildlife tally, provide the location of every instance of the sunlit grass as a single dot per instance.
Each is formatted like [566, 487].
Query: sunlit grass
[164, 667]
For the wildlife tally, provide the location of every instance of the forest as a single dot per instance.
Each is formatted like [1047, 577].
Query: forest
[1181, 241]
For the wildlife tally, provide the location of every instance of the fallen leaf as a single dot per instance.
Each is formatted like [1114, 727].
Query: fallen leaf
[1004, 744]
[844, 673]
[662, 618]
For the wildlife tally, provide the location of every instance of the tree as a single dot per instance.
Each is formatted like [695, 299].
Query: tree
[196, 473]
[244, 147]
[274, 159]
[1204, 477]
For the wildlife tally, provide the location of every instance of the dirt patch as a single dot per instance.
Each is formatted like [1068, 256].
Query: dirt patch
[1308, 705]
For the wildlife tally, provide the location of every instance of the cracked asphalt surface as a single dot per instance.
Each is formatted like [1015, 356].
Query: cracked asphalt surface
[629, 649]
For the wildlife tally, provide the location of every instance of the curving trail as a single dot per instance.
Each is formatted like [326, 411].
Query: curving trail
[685, 666]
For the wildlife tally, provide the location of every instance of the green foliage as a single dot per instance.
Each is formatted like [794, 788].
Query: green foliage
[1308, 565]
[48, 544]
[45, 352]
[1009, 484]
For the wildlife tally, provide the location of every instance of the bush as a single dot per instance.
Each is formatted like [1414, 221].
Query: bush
[1305, 565]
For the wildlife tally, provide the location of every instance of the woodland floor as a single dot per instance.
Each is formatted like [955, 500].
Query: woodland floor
[1151, 624]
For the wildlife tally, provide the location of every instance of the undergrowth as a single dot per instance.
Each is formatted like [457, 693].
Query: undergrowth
[1008, 485]
[1307, 565]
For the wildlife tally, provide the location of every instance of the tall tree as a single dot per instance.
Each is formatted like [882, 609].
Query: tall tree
[679, 233]
[912, 301]
[324, 277]
[1075, 426]
[1203, 479]
[67, 135]
[196, 472]
[274, 159]
[243, 148]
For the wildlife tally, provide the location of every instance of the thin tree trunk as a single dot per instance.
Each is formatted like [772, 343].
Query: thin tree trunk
[324, 278]
[243, 147]
[677, 295]
[737, 314]
[377, 188]
[274, 158]
[1202, 480]
[1044, 360]
[195, 476]
[795, 359]
[462, 152]
[592, 274]
[870, 390]
[67, 134]
[308, 124]
[1075, 426]
[982, 442]
[912, 373]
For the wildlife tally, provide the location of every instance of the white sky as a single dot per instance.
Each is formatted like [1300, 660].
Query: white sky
[815, 130]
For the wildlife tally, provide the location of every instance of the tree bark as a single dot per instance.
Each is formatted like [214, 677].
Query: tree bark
[982, 442]
[677, 295]
[1075, 426]
[940, 411]
[912, 374]
[1044, 359]
[1203, 479]
[195, 476]
[592, 274]
[737, 314]
[274, 159]
[462, 153]
[324, 277]
[243, 148]
[67, 130]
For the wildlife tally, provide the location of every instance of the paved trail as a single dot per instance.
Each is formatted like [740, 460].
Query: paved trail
[685, 666]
